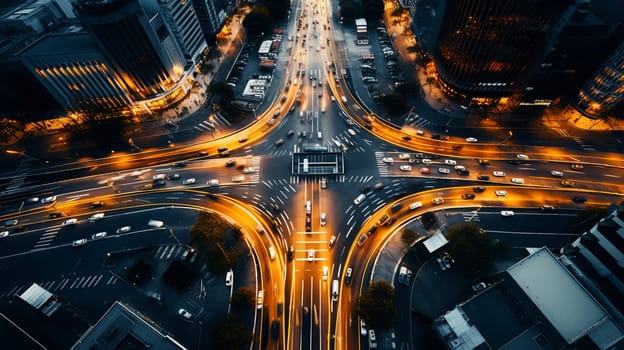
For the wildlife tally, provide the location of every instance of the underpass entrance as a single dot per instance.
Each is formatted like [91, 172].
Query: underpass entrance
[315, 159]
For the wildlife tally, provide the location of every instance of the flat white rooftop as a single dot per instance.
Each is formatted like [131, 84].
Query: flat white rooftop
[558, 295]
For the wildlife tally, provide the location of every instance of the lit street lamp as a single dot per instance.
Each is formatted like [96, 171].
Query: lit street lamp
[507, 138]
[23, 153]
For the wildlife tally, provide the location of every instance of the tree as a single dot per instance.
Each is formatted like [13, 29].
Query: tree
[242, 298]
[408, 236]
[472, 249]
[394, 103]
[221, 251]
[230, 333]
[258, 20]
[429, 219]
[376, 306]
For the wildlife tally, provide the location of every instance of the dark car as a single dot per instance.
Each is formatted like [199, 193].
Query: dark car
[372, 230]
[468, 196]
[478, 189]
[96, 204]
[55, 215]
[180, 164]
[579, 199]
[173, 176]
[365, 189]
[159, 182]
[275, 329]
[230, 163]
[406, 138]
[390, 221]
[436, 137]
[484, 177]
[484, 162]
[396, 207]
[463, 172]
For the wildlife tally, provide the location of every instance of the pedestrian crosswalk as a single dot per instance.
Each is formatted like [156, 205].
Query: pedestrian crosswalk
[66, 284]
[471, 216]
[381, 166]
[212, 123]
[339, 178]
[46, 238]
[415, 120]
[17, 180]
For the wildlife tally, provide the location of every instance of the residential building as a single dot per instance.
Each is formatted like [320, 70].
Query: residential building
[212, 15]
[184, 24]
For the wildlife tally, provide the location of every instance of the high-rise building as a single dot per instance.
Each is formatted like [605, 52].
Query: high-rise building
[491, 48]
[604, 91]
[184, 24]
[211, 15]
[72, 68]
[140, 46]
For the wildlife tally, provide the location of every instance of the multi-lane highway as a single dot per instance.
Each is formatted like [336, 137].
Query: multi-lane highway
[314, 227]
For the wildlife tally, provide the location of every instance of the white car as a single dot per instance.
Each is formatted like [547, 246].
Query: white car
[471, 139]
[507, 213]
[229, 278]
[556, 173]
[32, 200]
[325, 273]
[260, 299]
[359, 199]
[479, 286]
[498, 173]
[441, 263]
[404, 156]
[444, 171]
[517, 180]
[522, 156]
[450, 162]
[426, 161]
[185, 314]
[238, 178]
[415, 205]
[98, 235]
[79, 242]
[388, 160]
[70, 222]
[460, 167]
[311, 254]
[351, 132]
[501, 193]
[405, 168]
[249, 170]
[159, 177]
[124, 229]
[437, 201]
[4, 234]
[48, 199]
[323, 219]
[96, 217]
[363, 330]
[213, 182]
[188, 181]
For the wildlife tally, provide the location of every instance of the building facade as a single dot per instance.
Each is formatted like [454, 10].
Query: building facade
[184, 24]
[211, 15]
[491, 48]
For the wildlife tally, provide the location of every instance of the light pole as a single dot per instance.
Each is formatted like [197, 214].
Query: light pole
[23, 153]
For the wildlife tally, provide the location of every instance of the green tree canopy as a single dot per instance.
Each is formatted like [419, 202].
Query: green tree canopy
[472, 249]
[429, 219]
[408, 236]
[376, 306]
[242, 298]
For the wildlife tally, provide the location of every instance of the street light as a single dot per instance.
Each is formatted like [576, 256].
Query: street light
[23, 153]
[507, 138]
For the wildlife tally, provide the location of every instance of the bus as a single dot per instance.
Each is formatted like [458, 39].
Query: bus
[305, 165]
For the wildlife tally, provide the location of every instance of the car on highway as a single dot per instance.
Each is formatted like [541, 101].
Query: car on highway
[440, 262]
[260, 299]
[359, 199]
[174, 176]
[547, 208]
[79, 242]
[96, 204]
[238, 178]
[498, 173]
[405, 168]
[213, 182]
[468, 196]
[567, 183]
[290, 133]
[425, 170]
[124, 229]
[311, 254]
[160, 182]
[147, 187]
[363, 330]
[426, 161]
[501, 193]
[406, 137]
[387, 160]
[522, 156]
[362, 239]
[484, 177]
[517, 180]
[415, 205]
[242, 139]
[69, 222]
[32, 200]
[4, 234]
[348, 275]
[12, 222]
[323, 219]
[279, 142]
[351, 132]
[99, 235]
[332, 240]
[159, 177]
[404, 156]
[478, 189]
[484, 162]
[576, 166]
[325, 273]
[444, 171]
[556, 173]
[188, 181]
[579, 199]
[96, 217]
[471, 139]
[230, 163]
[382, 219]
[479, 286]
[249, 170]
[450, 162]
[49, 199]
[185, 314]
[507, 213]
[437, 201]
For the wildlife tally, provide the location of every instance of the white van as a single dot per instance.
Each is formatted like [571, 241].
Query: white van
[335, 286]
[415, 205]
